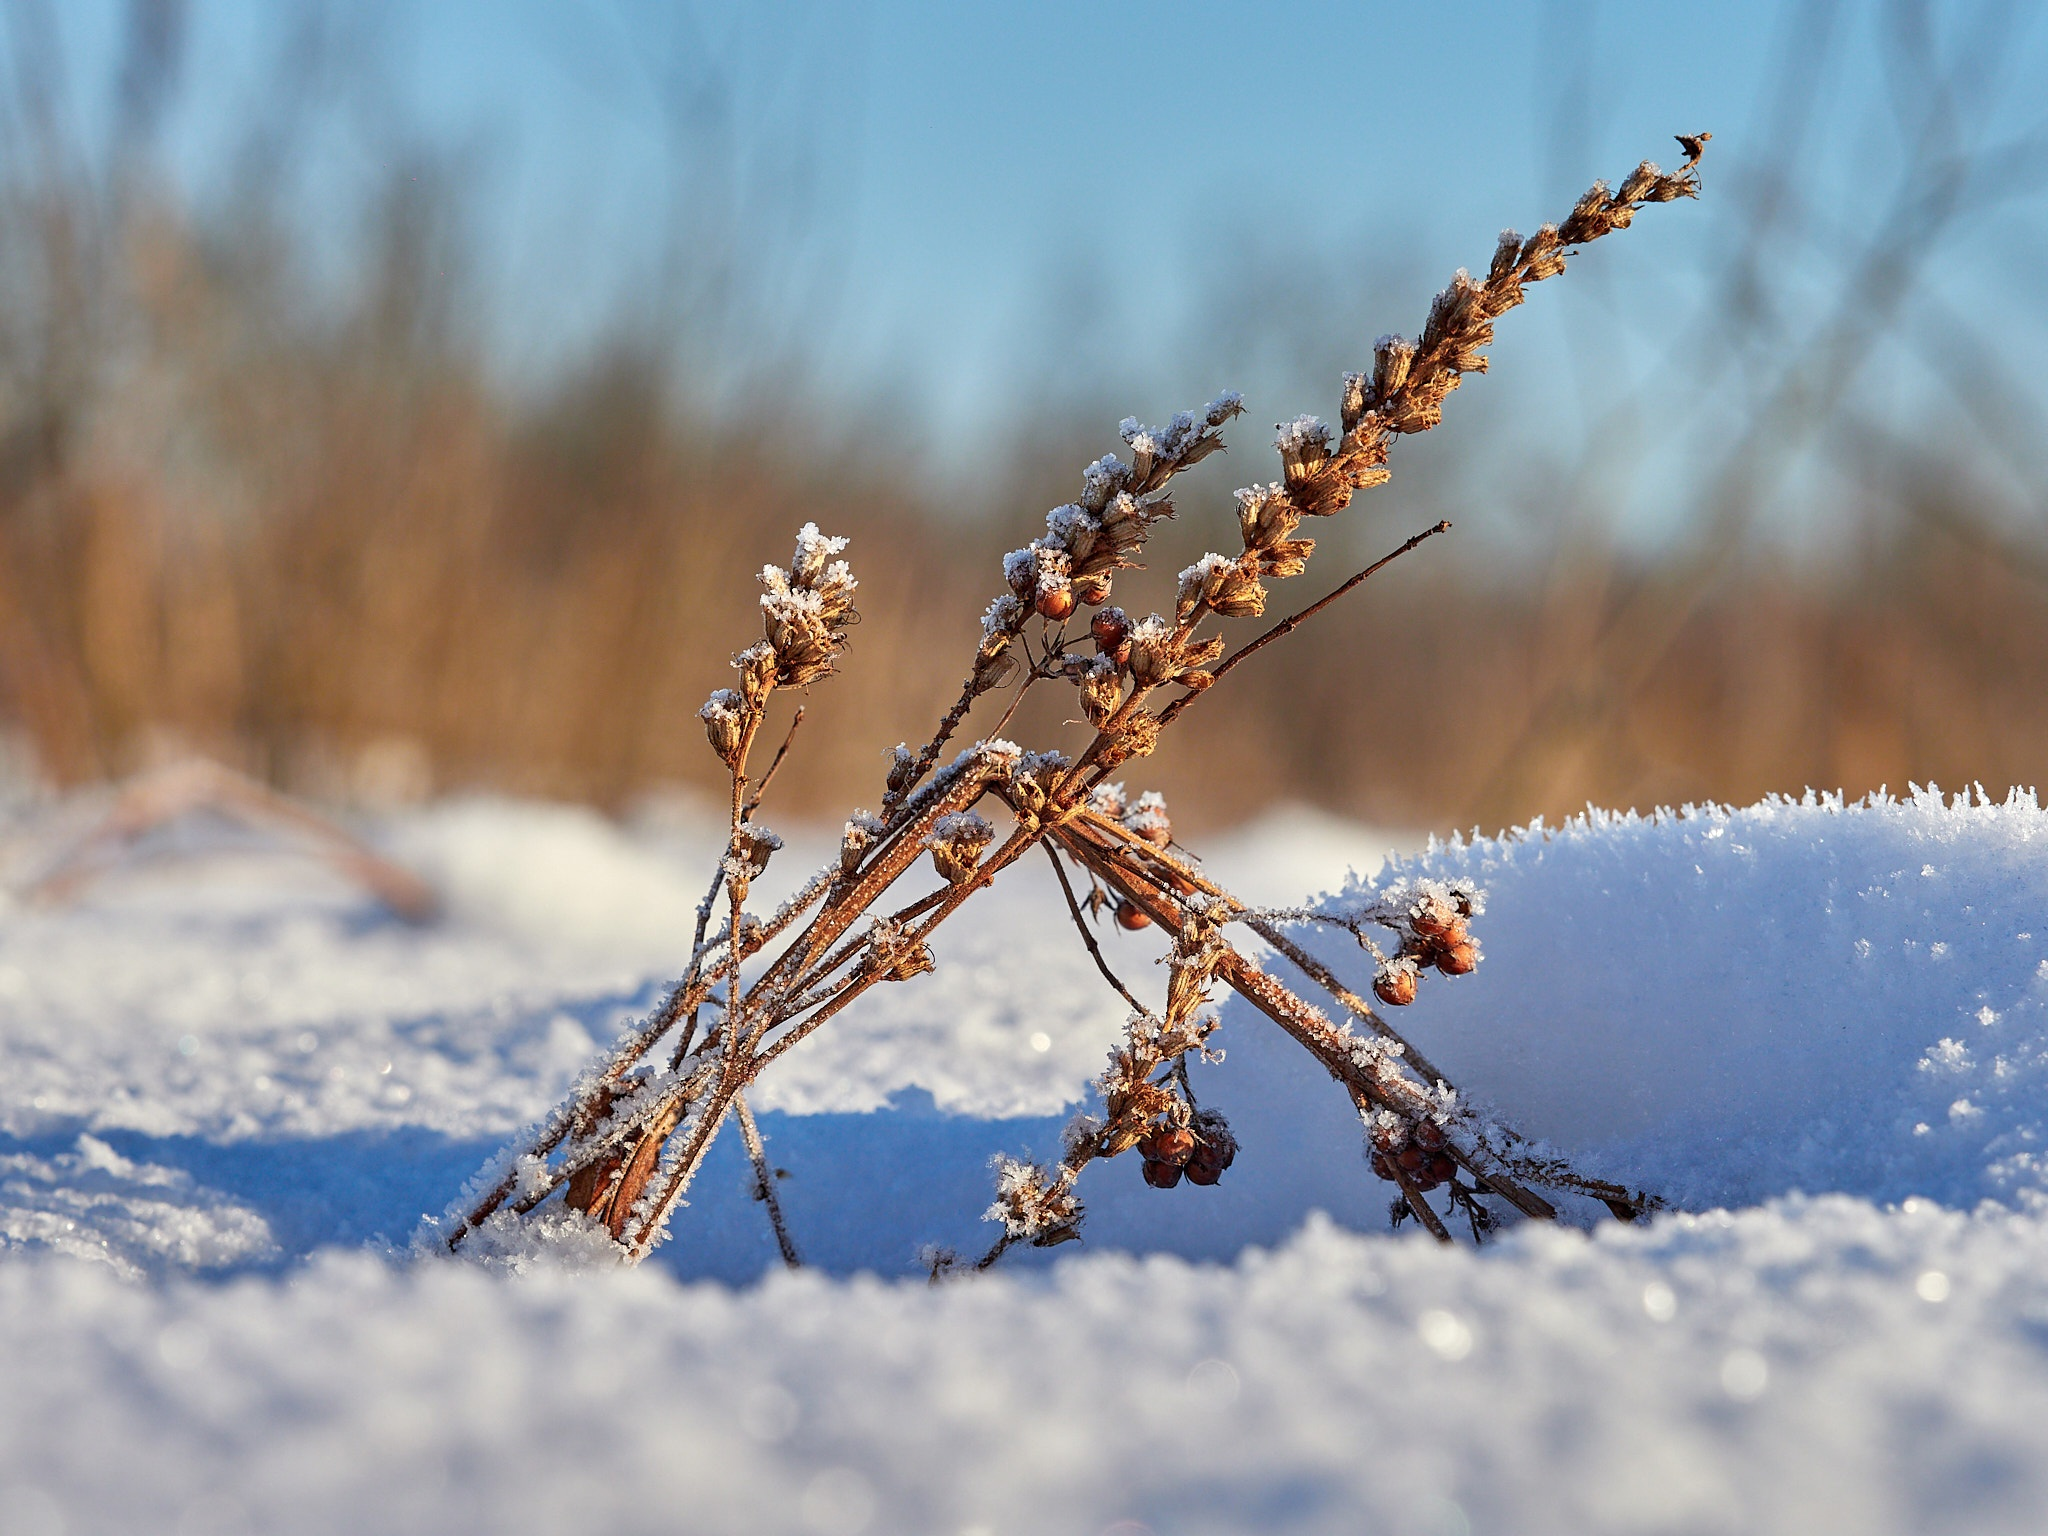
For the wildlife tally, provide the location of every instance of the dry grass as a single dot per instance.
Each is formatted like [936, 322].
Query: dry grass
[625, 1145]
[335, 556]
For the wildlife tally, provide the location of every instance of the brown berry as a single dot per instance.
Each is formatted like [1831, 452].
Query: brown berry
[1458, 959]
[1203, 1171]
[1093, 591]
[1441, 1167]
[1434, 920]
[1428, 1135]
[1111, 628]
[1161, 1175]
[1382, 1167]
[1131, 916]
[1395, 986]
[1055, 603]
[1165, 1146]
[1412, 1159]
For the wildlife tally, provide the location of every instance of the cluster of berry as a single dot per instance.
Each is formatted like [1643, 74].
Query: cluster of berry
[1435, 933]
[1416, 1150]
[1201, 1152]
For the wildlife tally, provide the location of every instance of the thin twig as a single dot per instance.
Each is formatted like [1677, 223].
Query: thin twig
[1022, 689]
[1081, 923]
[764, 1176]
[1327, 979]
[754, 800]
[1288, 625]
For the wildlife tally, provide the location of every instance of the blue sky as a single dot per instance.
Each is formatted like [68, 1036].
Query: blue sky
[947, 212]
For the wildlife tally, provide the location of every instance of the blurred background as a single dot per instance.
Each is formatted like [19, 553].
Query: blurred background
[398, 400]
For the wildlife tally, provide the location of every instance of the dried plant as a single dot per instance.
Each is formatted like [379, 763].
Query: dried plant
[623, 1148]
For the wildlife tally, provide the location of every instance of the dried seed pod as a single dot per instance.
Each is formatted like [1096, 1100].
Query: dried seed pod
[756, 666]
[993, 668]
[1102, 690]
[756, 845]
[1395, 983]
[1091, 591]
[902, 764]
[957, 842]
[1020, 572]
[854, 842]
[894, 954]
[1131, 917]
[1391, 357]
[724, 725]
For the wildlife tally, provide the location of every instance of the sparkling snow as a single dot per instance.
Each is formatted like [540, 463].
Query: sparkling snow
[230, 1087]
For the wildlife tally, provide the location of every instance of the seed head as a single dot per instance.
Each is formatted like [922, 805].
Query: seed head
[724, 725]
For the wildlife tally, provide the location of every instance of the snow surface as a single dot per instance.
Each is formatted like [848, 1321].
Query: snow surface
[230, 1087]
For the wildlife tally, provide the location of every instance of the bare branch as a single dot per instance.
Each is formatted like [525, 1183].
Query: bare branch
[1081, 923]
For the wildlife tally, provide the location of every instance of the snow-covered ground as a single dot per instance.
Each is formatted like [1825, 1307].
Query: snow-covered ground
[230, 1087]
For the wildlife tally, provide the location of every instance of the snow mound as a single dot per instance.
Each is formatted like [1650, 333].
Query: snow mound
[1729, 1004]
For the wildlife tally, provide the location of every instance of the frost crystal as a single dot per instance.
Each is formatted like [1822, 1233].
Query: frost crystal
[1019, 564]
[1226, 405]
[1301, 433]
[1027, 1203]
[813, 549]
[1072, 526]
[1149, 814]
[1001, 617]
[1103, 479]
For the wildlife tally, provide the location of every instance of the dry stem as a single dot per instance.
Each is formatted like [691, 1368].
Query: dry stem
[631, 1138]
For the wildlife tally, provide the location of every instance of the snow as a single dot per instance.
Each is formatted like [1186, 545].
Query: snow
[230, 1087]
